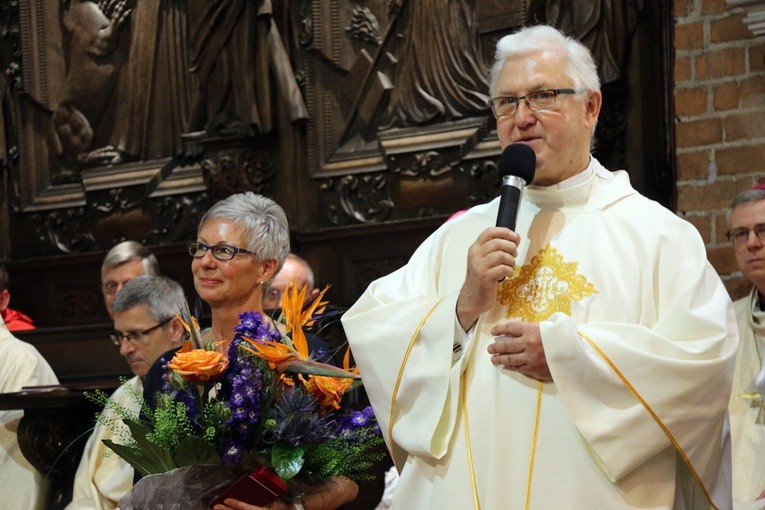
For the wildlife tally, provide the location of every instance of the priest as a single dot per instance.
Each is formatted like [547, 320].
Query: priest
[583, 359]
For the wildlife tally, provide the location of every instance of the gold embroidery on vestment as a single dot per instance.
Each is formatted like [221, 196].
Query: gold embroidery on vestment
[544, 286]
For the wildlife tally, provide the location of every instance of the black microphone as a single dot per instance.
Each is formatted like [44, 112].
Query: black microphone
[516, 168]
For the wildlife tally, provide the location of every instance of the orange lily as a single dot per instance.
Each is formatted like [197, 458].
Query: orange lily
[347, 362]
[327, 390]
[191, 325]
[292, 306]
[326, 382]
[273, 352]
[330, 390]
[296, 348]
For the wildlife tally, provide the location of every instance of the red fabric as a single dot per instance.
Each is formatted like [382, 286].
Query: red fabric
[759, 186]
[17, 321]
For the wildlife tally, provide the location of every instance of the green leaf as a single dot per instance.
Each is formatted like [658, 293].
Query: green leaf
[147, 458]
[315, 368]
[194, 450]
[287, 461]
[143, 463]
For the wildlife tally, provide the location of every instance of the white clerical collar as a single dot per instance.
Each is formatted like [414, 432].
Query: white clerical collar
[757, 318]
[757, 323]
[573, 180]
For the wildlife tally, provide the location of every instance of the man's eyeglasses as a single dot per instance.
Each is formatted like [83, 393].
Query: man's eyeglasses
[506, 106]
[136, 337]
[273, 298]
[110, 287]
[741, 235]
[219, 251]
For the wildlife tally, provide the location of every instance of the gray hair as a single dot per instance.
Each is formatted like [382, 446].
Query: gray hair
[749, 196]
[163, 297]
[127, 251]
[579, 68]
[265, 225]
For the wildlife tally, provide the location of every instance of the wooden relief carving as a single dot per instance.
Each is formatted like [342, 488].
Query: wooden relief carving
[111, 107]
[401, 87]
[237, 49]
[388, 65]
[365, 198]
[233, 171]
[111, 110]
[396, 86]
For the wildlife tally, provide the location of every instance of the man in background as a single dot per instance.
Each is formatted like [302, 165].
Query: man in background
[21, 365]
[746, 231]
[14, 319]
[123, 262]
[145, 326]
[294, 268]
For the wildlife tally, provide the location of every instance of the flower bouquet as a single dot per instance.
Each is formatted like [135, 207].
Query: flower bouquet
[265, 410]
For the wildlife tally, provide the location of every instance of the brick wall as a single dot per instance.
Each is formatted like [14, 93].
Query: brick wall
[719, 79]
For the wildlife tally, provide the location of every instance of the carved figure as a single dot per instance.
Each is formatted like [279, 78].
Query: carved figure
[604, 26]
[440, 74]
[150, 109]
[127, 92]
[237, 52]
[92, 33]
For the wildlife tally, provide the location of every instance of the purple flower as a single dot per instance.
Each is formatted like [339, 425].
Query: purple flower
[254, 325]
[361, 418]
[242, 387]
[232, 453]
[355, 420]
[237, 398]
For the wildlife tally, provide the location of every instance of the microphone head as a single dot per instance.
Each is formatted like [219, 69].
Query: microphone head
[519, 160]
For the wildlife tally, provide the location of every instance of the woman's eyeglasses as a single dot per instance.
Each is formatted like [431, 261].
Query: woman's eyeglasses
[219, 251]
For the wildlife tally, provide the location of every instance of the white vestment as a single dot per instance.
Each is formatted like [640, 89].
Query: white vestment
[746, 404]
[103, 477]
[21, 365]
[639, 335]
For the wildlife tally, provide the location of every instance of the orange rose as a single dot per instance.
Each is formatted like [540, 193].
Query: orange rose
[198, 365]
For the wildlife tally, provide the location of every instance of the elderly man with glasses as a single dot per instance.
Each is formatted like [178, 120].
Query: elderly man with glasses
[123, 262]
[145, 326]
[583, 360]
[746, 224]
[295, 268]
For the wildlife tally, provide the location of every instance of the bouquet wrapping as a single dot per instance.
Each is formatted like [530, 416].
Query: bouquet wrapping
[186, 488]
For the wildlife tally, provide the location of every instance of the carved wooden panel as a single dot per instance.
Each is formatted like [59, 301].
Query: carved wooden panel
[107, 133]
[349, 113]
[390, 114]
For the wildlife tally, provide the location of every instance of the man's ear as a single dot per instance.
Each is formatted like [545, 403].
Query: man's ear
[5, 299]
[592, 106]
[179, 332]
